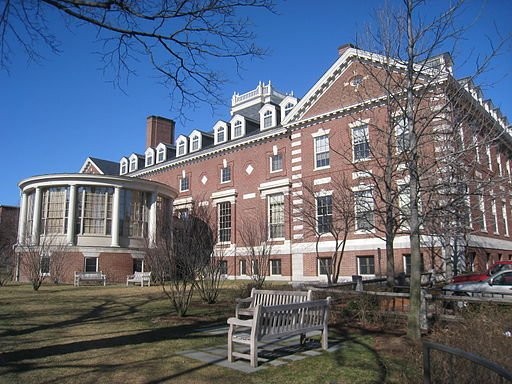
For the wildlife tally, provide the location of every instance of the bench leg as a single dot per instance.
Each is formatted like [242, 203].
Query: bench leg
[254, 353]
[230, 344]
[325, 339]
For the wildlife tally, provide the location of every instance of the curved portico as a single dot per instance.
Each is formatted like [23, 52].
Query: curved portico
[92, 214]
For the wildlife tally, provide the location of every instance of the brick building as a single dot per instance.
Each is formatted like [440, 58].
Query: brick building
[307, 169]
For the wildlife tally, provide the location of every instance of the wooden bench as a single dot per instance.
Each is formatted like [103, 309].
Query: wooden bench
[139, 277]
[275, 322]
[245, 307]
[90, 276]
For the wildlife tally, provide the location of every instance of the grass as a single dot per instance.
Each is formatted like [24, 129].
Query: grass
[65, 334]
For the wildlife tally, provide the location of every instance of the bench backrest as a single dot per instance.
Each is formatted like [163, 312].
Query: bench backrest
[89, 275]
[274, 297]
[289, 319]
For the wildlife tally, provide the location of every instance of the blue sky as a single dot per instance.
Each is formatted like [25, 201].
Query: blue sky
[55, 114]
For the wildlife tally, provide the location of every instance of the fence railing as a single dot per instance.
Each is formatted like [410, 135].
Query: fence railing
[427, 368]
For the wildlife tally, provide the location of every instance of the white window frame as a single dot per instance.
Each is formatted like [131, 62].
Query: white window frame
[280, 161]
[195, 143]
[271, 267]
[161, 153]
[319, 149]
[242, 267]
[401, 135]
[226, 175]
[369, 257]
[268, 117]
[149, 157]
[489, 157]
[504, 217]
[184, 180]
[238, 122]
[356, 141]
[220, 229]
[221, 126]
[275, 211]
[320, 267]
[318, 196]
[123, 166]
[494, 211]
[134, 162]
[356, 191]
[181, 146]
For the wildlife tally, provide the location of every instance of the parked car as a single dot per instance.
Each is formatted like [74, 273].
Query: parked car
[498, 285]
[494, 269]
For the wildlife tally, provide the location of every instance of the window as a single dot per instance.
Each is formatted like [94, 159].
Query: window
[182, 213]
[494, 211]
[275, 267]
[321, 151]
[364, 210]
[181, 148]
[402, 135]
[276, 216]
[91, 264]
[134, 213]
[404, 203]
[500, 167]
[225, 174]
[45, 265]
[54, 210]
[488, 154]
[124, 167]
[137, 265]
[243, 267]
[255, 265]
[267, 119]
[477, 151]
[160, 156]
[150, 157]
[195, 143]
[223, 267]
[184, 184]
[360, 142]
[237, 129]
[324, 213]
[365, 265]
[504, 217]
[276, 163]
[407, 263]
[95, 210]
[481, 213]
[287, 108]
[224, 214]
[324, 265]
[221, 135]
[133, 163]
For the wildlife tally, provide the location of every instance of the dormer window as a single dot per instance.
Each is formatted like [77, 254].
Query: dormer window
[160, 155]
[195, 144]
[220, 132]
[150, 157]
[268, 117]
[124, 166]
[133, 163]
[181, 146]
[237, 130]
[287, 108]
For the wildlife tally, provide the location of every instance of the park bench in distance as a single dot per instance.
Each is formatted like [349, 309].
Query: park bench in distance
[139, 278]
[90, 277]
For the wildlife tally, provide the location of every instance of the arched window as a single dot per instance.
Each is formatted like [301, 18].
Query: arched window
[237, 131]
[221, 135]
[267, 119]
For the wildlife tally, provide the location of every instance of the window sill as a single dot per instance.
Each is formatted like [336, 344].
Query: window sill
[322, 168]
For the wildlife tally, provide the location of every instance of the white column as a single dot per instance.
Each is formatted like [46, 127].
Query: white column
[115, 217]
[152, 220]
[22, 220]
[36, 222]
[71, 215]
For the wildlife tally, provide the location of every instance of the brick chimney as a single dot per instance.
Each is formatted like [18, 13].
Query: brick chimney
[159, 130]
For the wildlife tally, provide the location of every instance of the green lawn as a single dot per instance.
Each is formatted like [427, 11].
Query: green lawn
[115, 334]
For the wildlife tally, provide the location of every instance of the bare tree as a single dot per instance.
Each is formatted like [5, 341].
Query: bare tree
[256, 240]
[179, 38]
[417, 83]
[8, 234]
[329, 214]
[44, 261]
[181, 251]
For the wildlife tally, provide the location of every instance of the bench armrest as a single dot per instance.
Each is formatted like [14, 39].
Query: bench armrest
[239, 322]
[246, 300]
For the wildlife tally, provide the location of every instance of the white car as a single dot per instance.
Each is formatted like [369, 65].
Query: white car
[497, 286]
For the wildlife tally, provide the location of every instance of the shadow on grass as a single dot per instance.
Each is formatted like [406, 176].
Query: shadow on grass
[189, 331]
